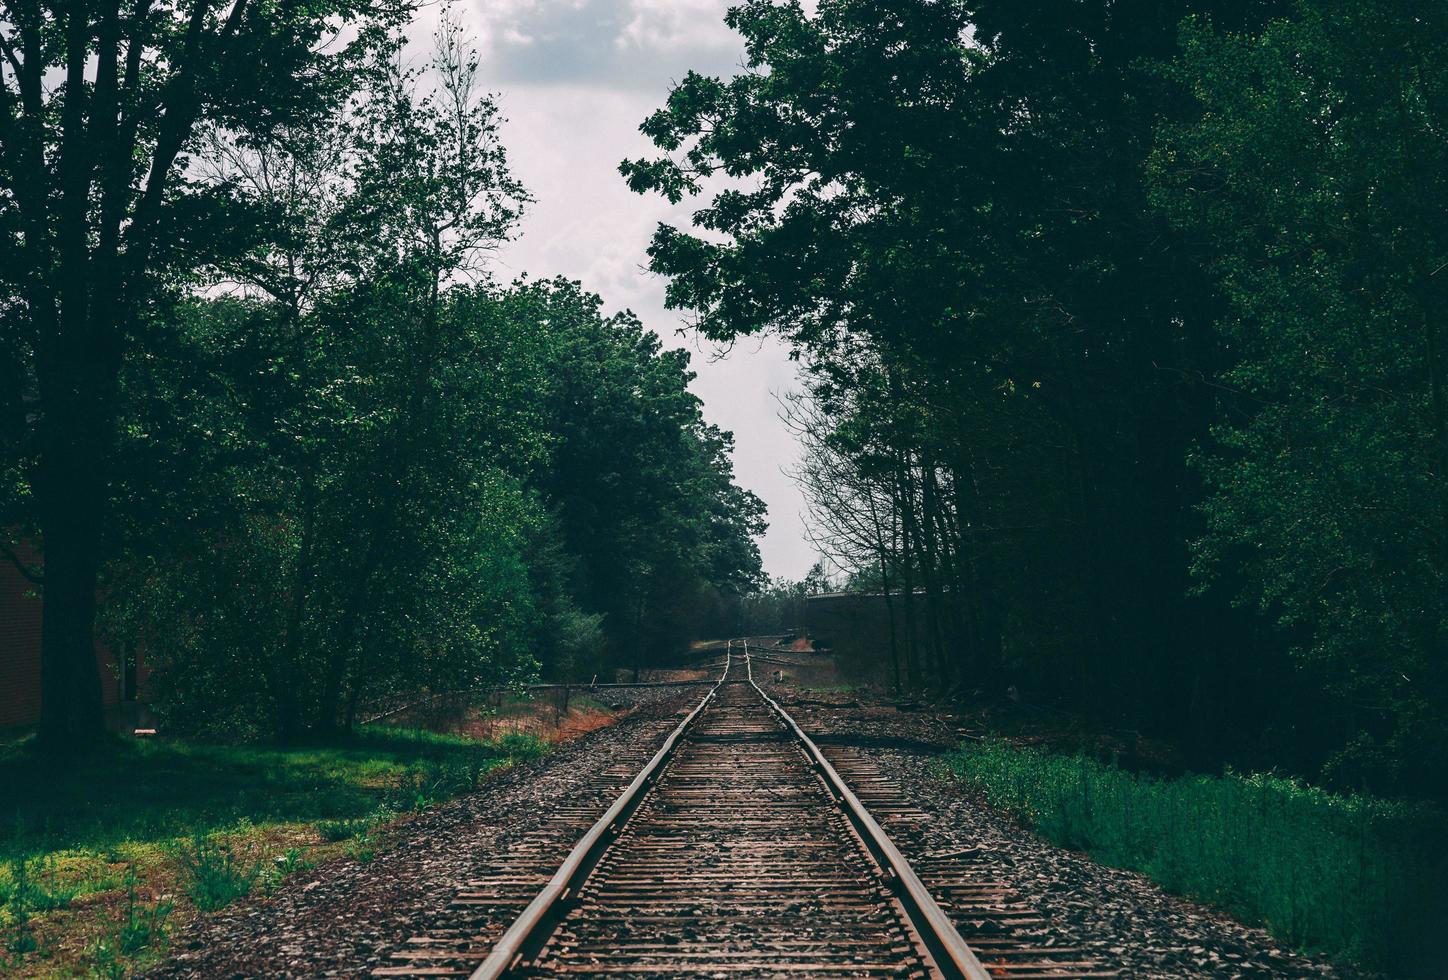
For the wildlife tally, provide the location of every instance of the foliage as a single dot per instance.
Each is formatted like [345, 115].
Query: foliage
[642, 486]
[775, 608]
[102, 109]
[1120, 348]
[944, 220]
[339, 830]
[309, 450]
[342, 419]
[372, 471]
[1316, 169]
[1347, 874]
[158, 791]
[143, 926]
[32, 887]
[212, 873]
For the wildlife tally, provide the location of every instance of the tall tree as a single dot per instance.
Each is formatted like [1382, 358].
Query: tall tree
[643, 485]
[941, 206]
[100, 104]
[381, 417]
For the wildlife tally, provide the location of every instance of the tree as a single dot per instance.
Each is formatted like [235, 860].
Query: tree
[100, 107]
[1316, 165]
[643, 486]
[942, 208]
[377, 420]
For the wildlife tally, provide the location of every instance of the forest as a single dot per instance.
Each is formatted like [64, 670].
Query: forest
[270, 417]
[1122, 334]
[1116, 323]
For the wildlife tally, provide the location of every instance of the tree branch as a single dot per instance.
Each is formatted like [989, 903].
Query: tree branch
[29, 573]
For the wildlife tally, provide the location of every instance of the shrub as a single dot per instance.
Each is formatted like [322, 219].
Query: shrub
[520, 745]
[107, 962]
[1350, 875]
[363, 849]
[23, 893]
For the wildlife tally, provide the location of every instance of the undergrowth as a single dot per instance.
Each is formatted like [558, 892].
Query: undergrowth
[1347, 875]
[208, 824]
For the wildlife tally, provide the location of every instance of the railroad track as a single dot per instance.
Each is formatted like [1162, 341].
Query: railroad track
[739, 849]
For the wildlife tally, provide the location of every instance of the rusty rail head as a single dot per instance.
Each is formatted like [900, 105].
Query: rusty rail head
[952, 955]
[533, 925]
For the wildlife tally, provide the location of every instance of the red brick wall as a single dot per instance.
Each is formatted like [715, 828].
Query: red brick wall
[20, 650]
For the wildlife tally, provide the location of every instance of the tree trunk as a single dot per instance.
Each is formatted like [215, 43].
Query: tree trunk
[638, 630]
[72, 495]
[1438, 403]
[884, 557]
[907, 582]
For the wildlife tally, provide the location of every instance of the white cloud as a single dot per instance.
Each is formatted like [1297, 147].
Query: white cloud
[603, 43]
[660, 25]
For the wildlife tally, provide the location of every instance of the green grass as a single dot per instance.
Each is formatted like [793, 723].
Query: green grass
[1347, 875]
[91, 855]
[152, 790]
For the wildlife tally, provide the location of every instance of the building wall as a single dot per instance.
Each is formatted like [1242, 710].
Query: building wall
[20, 613]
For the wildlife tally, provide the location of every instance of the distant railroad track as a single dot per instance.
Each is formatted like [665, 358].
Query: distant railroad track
[738, 849]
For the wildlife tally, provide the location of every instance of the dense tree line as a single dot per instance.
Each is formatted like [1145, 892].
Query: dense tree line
[1122, 342]
[315, 455]
[777, 606]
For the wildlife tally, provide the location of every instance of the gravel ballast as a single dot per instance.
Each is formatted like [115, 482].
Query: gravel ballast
[1120, 917]
[341, 918]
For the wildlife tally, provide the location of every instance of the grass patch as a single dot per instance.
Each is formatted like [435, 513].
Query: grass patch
[1347, 875]
[98, 861]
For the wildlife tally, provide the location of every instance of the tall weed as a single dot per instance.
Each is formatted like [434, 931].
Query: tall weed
[1349, 875]
[212, 874]
[142, 928]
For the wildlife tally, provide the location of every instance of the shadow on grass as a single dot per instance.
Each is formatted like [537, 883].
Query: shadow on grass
[154, 790]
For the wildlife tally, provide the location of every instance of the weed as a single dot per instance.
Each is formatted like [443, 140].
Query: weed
[520, 745]
[363, 849]
[144, 926]
[1353, 876]
[212, 875]
[22, 937]
[24, 894]
[337, 830]
[409, 792]
[283, 866]
[291, 862]
[41, 892]
[107, 963]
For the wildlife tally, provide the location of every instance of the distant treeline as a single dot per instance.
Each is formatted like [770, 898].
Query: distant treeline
[311, 454]
[1124, 338]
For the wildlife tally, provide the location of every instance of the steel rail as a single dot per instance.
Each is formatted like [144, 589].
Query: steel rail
[535, 923]
[951, 953]
[948, 951]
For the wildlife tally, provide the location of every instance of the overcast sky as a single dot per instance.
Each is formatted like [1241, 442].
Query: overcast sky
[575, 78]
